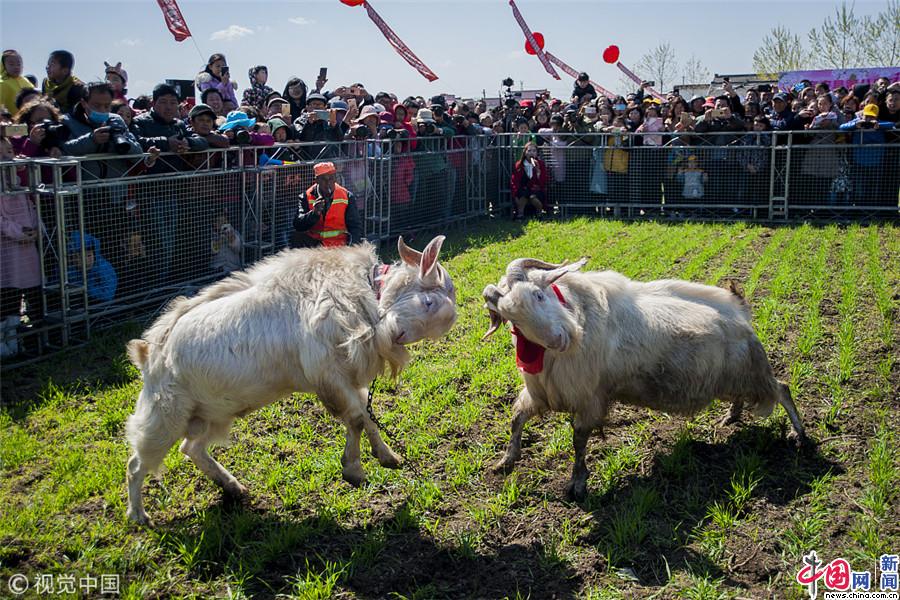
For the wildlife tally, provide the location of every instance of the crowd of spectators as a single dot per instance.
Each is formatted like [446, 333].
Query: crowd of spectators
[721, 139]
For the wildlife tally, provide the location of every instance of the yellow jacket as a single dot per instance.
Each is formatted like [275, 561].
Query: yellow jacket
[9, 89]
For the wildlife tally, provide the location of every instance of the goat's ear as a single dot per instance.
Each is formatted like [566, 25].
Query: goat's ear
[411, 257]
[548, 277]
[430, 256]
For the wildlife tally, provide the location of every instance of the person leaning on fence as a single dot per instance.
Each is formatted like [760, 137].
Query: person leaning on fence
[44, 135]
[93, 129]
[327, 214]
[162, 128]
[20, 271]
[869, 131]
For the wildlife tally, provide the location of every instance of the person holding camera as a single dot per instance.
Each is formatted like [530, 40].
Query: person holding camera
[93, 129]
[216, 75]
[45, 132]
[430, 157]
[327, 214]
[315, 125]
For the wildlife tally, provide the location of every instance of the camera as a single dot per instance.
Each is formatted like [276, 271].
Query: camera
[17, 130]
[509, 97]
[224, 71]
[118, 139]
[242, 136]
[393, 134]
[55, 134]
[429, 128]
[360, 132]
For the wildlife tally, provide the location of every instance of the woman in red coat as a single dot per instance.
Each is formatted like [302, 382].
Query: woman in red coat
[529, 183]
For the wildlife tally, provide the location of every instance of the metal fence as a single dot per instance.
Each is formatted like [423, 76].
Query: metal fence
[120, 238]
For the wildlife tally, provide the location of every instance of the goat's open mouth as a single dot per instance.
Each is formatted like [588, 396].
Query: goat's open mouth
[399, 338]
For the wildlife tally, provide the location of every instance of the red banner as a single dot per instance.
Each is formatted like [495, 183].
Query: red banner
[573, 73]
[401, 48]
[174, 21]
[637, 80]
[530, 37]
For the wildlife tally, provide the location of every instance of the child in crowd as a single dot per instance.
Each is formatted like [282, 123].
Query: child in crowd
[20, 271]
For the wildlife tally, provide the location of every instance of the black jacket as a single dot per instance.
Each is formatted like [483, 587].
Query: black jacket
[152, 130]
[307, 218]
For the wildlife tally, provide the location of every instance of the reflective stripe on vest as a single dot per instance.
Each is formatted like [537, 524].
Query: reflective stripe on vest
[332, 230]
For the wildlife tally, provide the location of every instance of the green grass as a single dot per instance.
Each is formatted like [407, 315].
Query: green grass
[677, 508]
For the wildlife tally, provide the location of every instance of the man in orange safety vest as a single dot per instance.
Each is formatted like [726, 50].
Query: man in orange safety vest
[327, 215]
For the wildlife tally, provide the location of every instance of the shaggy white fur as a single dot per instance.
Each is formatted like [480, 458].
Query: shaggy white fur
[300, 321]
[669, 345]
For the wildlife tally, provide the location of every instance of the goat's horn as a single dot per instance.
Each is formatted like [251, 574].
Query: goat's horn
[517, 269]
[492, 295]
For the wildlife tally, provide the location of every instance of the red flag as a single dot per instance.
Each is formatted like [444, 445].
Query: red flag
[401, 48]
[174, 21]
[530, 37]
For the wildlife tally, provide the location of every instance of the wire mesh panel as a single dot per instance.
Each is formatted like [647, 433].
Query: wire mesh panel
[835, 174]
[119, 234]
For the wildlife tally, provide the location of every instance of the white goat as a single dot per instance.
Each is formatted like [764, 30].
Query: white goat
[316, 320]
[585, 341]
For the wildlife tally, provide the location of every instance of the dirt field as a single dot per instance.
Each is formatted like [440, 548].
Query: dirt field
[676, 508]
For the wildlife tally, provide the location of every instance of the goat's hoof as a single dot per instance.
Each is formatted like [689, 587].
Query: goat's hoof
[729, 420]
[389, 460]
[576, 490]
[504, 466]
[354, 475]
[139, 517]
[235, 490]
[799, 439]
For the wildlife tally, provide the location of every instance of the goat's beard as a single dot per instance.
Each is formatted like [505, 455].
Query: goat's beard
[395, 354]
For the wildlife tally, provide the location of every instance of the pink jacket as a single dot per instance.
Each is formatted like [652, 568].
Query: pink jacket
[19, 260]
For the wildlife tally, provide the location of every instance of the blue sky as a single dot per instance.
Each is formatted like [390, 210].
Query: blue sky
[470, 45]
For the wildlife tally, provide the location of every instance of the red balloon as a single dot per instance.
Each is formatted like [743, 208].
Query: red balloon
[353, 2]
[539, 38]
[611, 54]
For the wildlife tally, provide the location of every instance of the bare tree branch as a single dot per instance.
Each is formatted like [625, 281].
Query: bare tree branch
[781, 50]
[660, 66]
[836, 44]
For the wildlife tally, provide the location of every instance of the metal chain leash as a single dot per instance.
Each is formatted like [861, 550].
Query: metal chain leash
[411, 465]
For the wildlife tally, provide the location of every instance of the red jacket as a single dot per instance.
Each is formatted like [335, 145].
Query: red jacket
[401, 178]
[521, 185]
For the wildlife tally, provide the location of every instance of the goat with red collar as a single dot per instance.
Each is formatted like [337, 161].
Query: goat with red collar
[585, 341]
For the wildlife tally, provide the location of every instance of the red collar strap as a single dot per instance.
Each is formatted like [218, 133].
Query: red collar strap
[558, 293]
[378, 273]
[529, 355]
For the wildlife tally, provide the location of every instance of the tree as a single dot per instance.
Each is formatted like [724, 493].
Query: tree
[881, 37]
[781, 50]
[659, 65]
[836, 44]
[694, 71]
